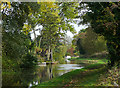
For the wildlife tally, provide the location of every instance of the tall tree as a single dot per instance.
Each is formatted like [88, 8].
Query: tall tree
[54, 19]
[15, 37]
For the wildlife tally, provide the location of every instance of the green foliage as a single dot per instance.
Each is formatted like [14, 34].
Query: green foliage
[80, 48]
[10, 65]
[54, 18]
[75, 51]
[82, 31]
[59, 53]
[88, 42]
[16, 43]
[100, 44]
[92, 43]
[21, 18]
[29, 61]
[104, 19]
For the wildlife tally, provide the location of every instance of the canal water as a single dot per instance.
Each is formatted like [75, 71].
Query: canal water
[26, 78]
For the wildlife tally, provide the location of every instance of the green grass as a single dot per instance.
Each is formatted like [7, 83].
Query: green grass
[74, 58]
[87, 76]
[88, 61]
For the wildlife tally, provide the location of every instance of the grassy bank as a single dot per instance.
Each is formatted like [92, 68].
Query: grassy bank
[87, 76]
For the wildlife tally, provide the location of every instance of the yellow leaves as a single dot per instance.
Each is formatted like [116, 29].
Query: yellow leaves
[9, 5]
[47, 6]
[26, 28]
[55, 14]
[3, 6]
[30, 14]
[38, 1]
[58, 20]
[48, 12]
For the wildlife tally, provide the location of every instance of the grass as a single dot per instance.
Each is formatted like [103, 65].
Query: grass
[85, 77]
[88, 59]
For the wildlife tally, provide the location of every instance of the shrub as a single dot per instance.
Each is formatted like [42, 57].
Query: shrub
[29, 61]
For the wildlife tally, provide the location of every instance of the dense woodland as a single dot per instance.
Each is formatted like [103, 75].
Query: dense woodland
[49, 23]
[19, 21]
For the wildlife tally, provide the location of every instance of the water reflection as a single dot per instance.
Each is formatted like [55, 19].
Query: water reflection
[28, 77]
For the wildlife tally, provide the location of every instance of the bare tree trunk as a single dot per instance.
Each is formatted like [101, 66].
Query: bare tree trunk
[51, 55]
[35, 36]
[40, 38]
[48, 56]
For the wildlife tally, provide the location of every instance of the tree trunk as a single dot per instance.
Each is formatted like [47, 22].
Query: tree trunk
[48, 56]
[51, 55]
[40, 38]
[35, 37]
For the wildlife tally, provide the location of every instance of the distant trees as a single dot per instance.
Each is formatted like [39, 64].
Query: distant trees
[80, 47]
[92, 41]
[59, 53]
[88, 42]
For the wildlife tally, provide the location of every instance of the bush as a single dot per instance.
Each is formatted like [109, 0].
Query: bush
[29, 61]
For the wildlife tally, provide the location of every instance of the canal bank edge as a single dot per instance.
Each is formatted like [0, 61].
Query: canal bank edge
[87, 76]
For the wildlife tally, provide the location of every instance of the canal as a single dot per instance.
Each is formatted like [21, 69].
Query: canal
[26, 78]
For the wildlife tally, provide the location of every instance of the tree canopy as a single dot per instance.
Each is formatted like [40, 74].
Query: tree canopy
[104, 20]
[20, 20]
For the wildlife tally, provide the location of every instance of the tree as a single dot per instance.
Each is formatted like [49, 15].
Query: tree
[48, 17]
[104, 19]
[88, 42]
[78, 41]
[54, 19]
[80, 47]
[16, 38]
[20, 18]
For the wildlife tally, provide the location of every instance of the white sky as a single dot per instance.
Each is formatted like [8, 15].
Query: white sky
[77, 28]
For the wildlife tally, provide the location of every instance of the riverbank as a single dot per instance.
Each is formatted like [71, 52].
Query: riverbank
[87, 76]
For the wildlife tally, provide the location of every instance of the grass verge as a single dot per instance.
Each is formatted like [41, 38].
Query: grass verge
[85, 77]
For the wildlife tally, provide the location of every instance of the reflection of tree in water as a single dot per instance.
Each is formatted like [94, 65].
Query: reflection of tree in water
[26, 77]
[42, 74]
[50, 72]
[21, 78]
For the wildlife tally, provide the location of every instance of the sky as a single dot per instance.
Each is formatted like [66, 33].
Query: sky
[77, 28]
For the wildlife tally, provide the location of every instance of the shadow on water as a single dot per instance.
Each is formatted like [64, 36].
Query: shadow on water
[25, 78]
